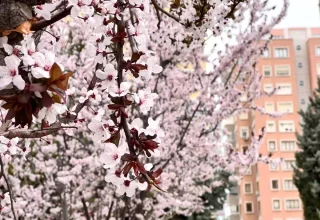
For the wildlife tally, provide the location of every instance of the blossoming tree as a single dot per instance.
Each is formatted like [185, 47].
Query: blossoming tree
[102, 99]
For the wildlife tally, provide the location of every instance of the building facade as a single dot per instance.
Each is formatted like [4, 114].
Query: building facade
[291, 63]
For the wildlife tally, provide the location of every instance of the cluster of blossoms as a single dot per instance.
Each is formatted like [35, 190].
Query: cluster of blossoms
[98, 89]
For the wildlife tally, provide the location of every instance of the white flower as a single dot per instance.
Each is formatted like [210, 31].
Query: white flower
[145, 99]
[10, 73]
[109, 75]
[152, 67]
[154, 128]
[128, 187]
[6, 144]
[3, 40]
[137, 2]
[50, 114]
[122, 91]
[113, 176]
[112, 155]
[93, 94]
[44, 10]
[42, 64]
[137, 124]
[100, 129]
[85, 9]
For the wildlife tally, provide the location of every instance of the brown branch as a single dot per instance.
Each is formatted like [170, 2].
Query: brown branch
[86, 212]
[9, 188]
[56, 17]
[157, 7]
[110, 210]
[179, 145]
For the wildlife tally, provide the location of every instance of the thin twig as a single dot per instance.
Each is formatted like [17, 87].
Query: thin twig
[157, 7]
[9, 188]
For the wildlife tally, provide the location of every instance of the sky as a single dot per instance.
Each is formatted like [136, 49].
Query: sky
[301, 13]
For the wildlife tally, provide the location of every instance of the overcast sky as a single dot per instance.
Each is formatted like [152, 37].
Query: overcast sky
[301, 13]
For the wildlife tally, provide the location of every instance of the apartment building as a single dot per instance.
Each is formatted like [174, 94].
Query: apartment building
[291, 62]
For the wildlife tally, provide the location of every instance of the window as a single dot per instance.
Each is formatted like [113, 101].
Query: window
[281, 52]
[287, 145]
[283, 70]
[249, 207]
[268, 88]
[267, 71]
[248, 171]
[271, 126]
[275, 185]
[274, 37]
[284, 89]
[272, 146]
[300, 65]
[243, 116]
[273, 166]
[318, 51]
[286, 126]
[276, 205]
[288, 165]
[298, 47]
[244, 149]
[318, 69]
[303, 101]
[266, 53]
[289, 185]
[301, 83]
[248, 188]
[269, 107]
[243, 97]
[234, 209]
[244, 132]
[286, 107]
[292, 204]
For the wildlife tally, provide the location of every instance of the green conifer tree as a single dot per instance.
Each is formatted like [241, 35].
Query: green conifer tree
[307, 171]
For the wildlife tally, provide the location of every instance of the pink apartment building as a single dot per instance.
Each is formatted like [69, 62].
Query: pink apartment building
[292, 62]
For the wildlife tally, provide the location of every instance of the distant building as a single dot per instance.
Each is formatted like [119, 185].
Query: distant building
[291, 62]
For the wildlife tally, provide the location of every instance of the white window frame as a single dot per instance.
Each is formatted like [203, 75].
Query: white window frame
[316, 50]
[265, 106]
[244, 188]
[281, 85]
[275, 170]
[236, 212]
[275, 145]
[249, 172]
[285, 189]
[245, 207]
[264, 54]
[268, 84]
[278, 66]
[271, 188]
[291, 110]
[244, 128]
[286, 121]
[285, 204]
[287, 140]
[244, 116]
[318, 69]
[274, 52]
[263, 70]
[275, 126]
[280, 208]
[282, 165]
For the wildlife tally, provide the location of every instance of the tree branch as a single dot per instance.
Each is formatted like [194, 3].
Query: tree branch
[56, 17]
[157, 7]
[86, 212]
[9, 188]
